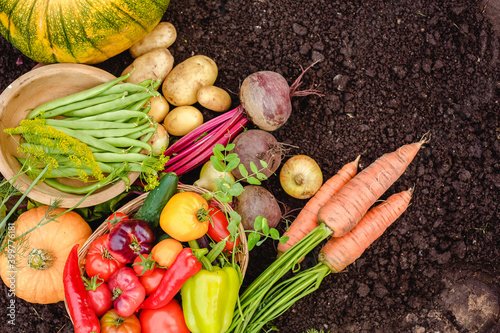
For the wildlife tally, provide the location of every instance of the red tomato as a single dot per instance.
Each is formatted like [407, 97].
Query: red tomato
[144, 265]
[115, 218]
[217, 229]
[112, 322]
[128, 292]
[99, 294]
[100, 261]
[151, 282]
[166, 319]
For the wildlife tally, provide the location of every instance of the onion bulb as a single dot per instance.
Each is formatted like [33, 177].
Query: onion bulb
[208, 175]
[160, 140]
[301, 177]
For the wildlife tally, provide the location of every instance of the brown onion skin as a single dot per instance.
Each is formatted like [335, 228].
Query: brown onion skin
[265, 96]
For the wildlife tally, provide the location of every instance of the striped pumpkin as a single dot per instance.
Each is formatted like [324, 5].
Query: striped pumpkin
[77, 31]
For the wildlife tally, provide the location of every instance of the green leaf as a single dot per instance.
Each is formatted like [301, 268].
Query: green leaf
[218, 155]
[253, 239]
[261, 176]
[263, 163]
[236, 189]
[265, 226]
[234, 223]
[233, 164]
[259, 243]
[243, 170]
[231, 157]
[224, 197]
[253, 181]
[253, 167]
[230, 146]
[219, 147]
[217, 164]
[284, 239]
[258, 223]
[275, 234]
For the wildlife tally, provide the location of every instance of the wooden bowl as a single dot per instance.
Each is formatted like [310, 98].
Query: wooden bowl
[133, 206]
[34, 88]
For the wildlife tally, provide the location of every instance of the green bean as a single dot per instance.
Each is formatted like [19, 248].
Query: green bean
[127, 142]
[139, 134]
[79, 96]
[114, 132]
[144, 139]
[89, 139]
[125, 87]
[111, 106]
[80, 105]
[126, 157]
[132, 167]
[88, 124]
[70, 189]
[115, 115]
[146, 82]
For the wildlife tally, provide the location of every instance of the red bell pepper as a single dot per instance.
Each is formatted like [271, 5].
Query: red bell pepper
[185, 266]
[77, 298]
[217, 228]
[129, 238]
[128, 292]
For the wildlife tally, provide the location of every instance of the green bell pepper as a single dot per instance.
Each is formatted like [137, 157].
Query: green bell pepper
[209, 299]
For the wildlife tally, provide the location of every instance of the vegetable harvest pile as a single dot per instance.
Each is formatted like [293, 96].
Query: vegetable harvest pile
[174, 264]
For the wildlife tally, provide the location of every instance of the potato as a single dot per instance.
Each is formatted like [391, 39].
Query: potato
[214, 98]
[162, 36]
[182, 83]
[155, 64]
[182, 120]
[159, 108]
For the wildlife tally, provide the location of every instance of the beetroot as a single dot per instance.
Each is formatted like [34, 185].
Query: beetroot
[257, 201]
[257, 145]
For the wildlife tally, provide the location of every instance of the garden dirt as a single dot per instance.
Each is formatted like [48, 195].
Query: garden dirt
[389, 72]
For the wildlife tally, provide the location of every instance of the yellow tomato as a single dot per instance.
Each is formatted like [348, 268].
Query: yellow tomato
[185, 216]
[165, 252]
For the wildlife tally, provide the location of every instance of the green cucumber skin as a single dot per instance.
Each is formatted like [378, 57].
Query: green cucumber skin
[157, 198]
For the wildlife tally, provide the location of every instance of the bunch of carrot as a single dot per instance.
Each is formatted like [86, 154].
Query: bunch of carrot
[342, 206]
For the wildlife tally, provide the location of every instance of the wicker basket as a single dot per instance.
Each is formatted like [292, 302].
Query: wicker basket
[132, 206]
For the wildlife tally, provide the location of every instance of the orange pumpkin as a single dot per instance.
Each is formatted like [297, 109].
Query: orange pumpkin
[32, 266]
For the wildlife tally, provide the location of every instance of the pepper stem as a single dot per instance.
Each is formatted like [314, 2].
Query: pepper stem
[40, 259]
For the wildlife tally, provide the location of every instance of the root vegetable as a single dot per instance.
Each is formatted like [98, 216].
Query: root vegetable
[159, 108]
[266, 98]
[182, 120]
[208, 175]
[162, 36]
[182, 83]
[255, 146]
[257, 201]
[214, 98]
[344, 210]
[339, 252]
[155, 64]
[301, 177]
[307, 219]
[159, 141]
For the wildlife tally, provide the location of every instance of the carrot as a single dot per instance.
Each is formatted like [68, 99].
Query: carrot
[307, 219]
[340, 252]
[344, 210]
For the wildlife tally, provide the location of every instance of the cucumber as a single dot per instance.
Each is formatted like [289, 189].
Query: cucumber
[157, 198]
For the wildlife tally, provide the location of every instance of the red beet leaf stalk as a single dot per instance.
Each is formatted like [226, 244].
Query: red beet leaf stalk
[196, 147]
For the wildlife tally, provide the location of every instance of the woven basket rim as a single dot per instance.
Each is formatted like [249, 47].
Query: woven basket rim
[133, 205]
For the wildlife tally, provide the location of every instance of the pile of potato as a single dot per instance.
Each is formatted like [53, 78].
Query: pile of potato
[189, 82]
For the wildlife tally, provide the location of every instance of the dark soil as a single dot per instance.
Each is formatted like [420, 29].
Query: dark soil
[390, 71]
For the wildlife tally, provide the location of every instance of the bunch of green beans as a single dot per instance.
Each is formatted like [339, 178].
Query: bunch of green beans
[111, 119]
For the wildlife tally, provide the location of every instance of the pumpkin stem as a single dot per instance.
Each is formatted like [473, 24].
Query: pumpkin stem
[40, 259]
